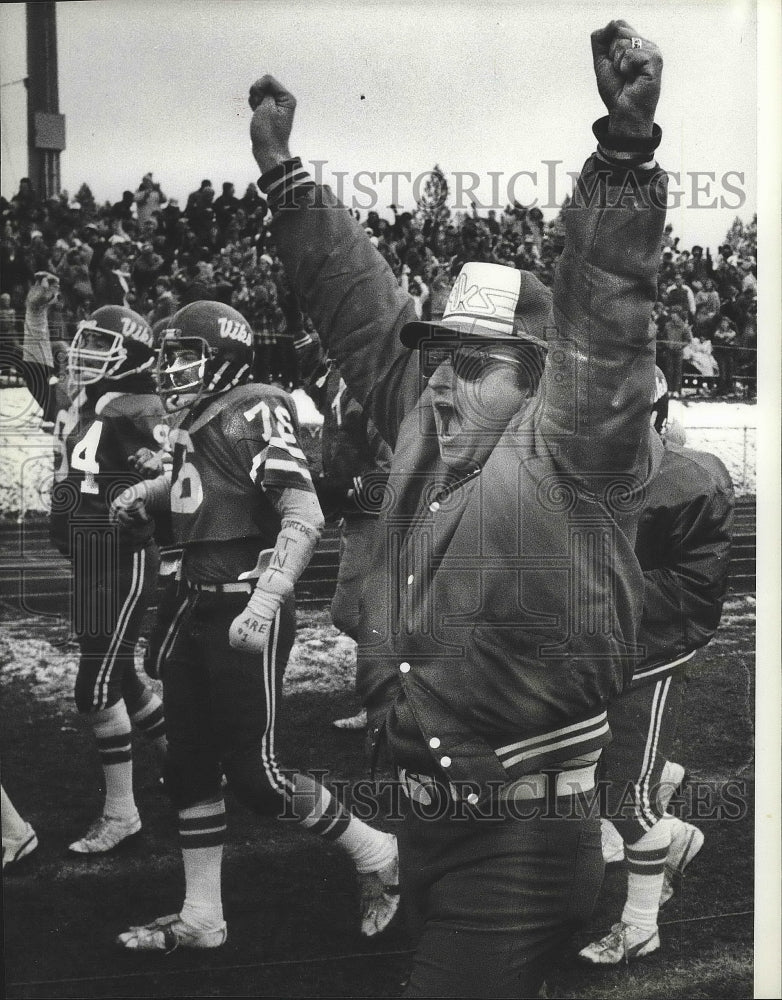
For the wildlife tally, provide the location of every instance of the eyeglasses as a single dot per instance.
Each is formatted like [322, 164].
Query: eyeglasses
[470, 363]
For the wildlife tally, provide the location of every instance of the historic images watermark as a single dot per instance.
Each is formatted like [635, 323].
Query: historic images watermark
[433, 800]
[546, 187]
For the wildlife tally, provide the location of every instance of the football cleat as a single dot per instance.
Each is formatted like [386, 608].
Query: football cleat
[106, 833]
[624, 942]
[611, 841]
[15, 849]
[357, 721]
[168, 933]
[379, 895]
[686, 842]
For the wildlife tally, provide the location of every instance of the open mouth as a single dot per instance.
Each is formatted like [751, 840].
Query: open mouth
[445, 422]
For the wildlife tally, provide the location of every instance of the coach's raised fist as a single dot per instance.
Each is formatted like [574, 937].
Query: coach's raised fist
[273, 109]
[628, 70]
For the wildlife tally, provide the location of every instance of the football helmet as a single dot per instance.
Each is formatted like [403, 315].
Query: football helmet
[206, 348]
[112, 343]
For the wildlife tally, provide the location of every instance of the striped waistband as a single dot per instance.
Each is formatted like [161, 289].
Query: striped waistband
[573, 740]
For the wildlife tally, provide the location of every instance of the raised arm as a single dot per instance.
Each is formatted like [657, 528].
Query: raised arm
[342, 281]
[600, 368]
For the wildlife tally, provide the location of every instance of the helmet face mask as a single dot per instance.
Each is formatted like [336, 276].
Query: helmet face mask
[181, 364]
[95, 353]
[111, 344]
[206, 349]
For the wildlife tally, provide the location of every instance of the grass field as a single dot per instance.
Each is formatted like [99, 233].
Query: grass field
[291, 901]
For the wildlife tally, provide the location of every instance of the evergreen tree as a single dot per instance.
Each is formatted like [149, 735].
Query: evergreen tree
[743, 238]
[433, 203]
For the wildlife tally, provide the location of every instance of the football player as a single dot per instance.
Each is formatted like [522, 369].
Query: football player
[244, 509]
[683, 546]
[112, 411]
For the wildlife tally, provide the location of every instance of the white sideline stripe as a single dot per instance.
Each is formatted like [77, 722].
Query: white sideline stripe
[170, 636]
[136, 586]
[643, 674]
[646, 817]
[276, 778]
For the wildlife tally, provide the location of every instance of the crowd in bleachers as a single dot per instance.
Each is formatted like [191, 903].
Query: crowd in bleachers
[154, 255]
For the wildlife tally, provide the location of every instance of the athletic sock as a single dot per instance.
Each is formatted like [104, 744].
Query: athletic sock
[149, 718]
[111, 727]
[201, 837]
[319, 812]
[645, 864]
[14, 827]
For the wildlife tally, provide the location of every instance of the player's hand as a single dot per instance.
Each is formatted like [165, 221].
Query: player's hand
[43, 291]
[147, 463]
[628, 77]
[128, 509]
[273, 110]
[249, 631]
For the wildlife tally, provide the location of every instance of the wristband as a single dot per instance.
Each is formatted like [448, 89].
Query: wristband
[626, 143]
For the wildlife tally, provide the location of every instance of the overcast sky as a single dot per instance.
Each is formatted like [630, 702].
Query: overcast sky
[161, 85]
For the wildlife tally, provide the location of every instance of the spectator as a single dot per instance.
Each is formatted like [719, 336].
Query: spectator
[677, 335]
[9, 325]
[709, 299]
[111, 285]
[15, 272]
[146, 268]
[725, 344]
[149, 198]
[699, 267]
[122, 211]
[681, 295]
[226, 206]
[25, 201]
[165, 302]
[732, 308]
[198, 210]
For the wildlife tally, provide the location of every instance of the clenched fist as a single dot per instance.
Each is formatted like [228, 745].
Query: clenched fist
[43, 291]
[148, 463]
[628, 70]
[273, 109]
[249, 631]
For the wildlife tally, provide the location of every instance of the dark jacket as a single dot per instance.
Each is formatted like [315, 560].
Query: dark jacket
[684, 538]
[501, 613]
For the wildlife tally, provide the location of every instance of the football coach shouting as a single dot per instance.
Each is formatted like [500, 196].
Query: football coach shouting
[501, 612]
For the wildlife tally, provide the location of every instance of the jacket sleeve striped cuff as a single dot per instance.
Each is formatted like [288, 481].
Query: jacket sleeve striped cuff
[283, 182]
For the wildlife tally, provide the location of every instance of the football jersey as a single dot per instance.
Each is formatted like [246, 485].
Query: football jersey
[93, 441]
[230, 462]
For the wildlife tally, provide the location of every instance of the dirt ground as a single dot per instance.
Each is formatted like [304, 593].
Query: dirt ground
[290, 900]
